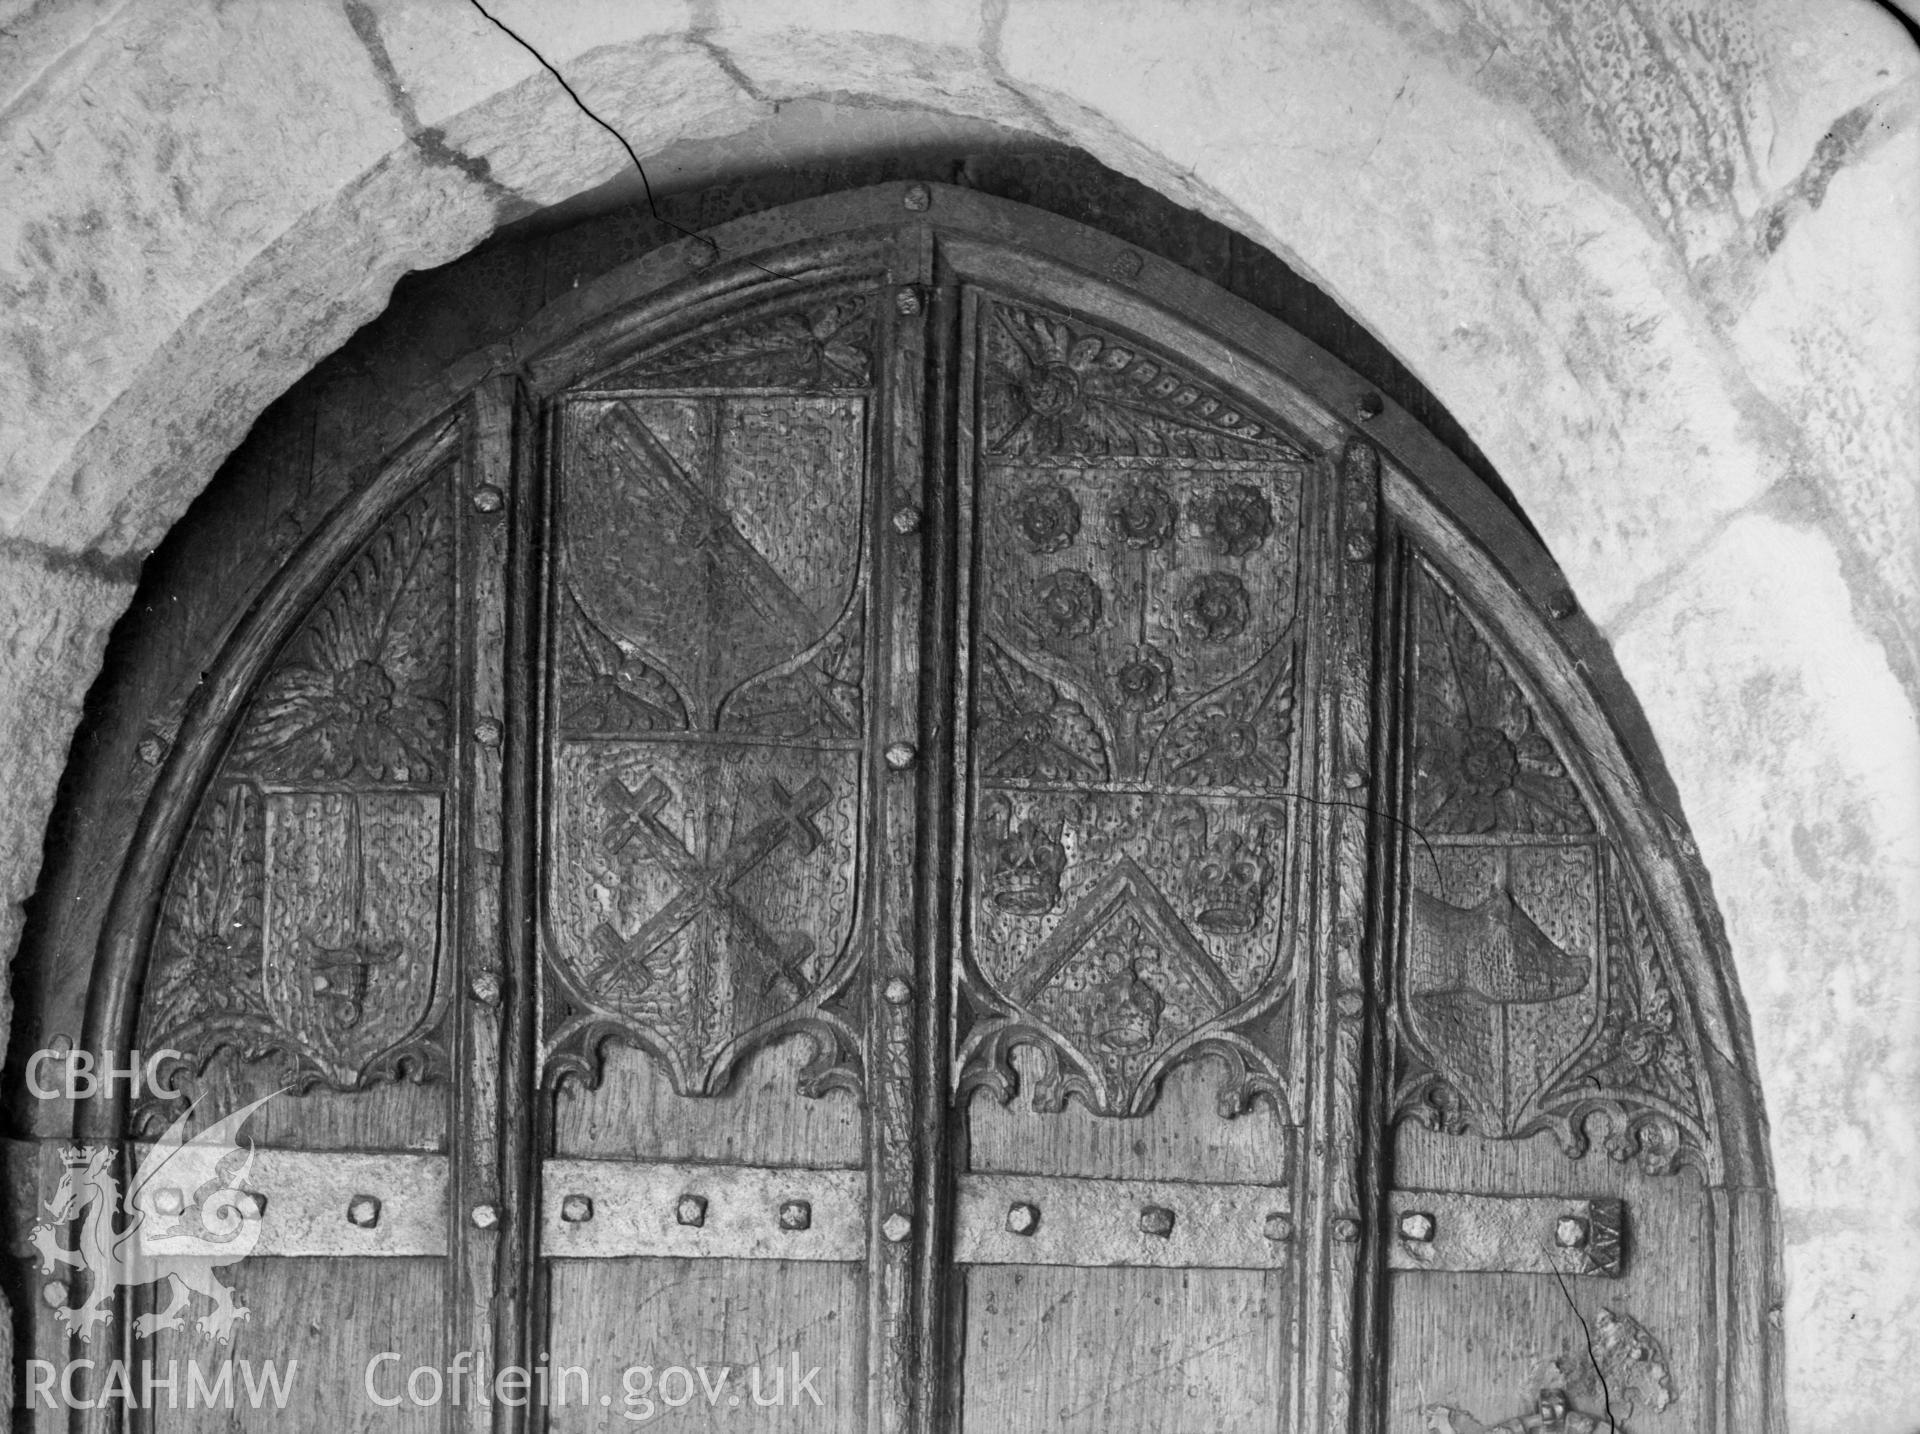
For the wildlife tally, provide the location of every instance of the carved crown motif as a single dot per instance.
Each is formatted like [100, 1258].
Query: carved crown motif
[1230, 880]
[1024, 861]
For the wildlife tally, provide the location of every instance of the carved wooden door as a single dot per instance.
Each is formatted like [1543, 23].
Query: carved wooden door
[895, 836]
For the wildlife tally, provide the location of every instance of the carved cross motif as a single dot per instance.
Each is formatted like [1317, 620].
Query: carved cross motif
[708, 885]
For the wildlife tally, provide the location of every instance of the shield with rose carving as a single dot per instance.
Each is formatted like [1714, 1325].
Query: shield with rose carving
[1134, 692]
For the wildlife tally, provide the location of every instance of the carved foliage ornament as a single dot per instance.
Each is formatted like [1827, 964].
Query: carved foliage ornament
[1057, 389]
[822, 346]
[1481, 762]
[303, 919]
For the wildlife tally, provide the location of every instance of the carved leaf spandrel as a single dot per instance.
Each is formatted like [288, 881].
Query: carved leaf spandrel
[826, 346]
[1237, 737]
[1030, 728]
[1640, 1082]
[1058, 388]
[817, 695]
[605, 689]
[1482, 762]
[361, 692]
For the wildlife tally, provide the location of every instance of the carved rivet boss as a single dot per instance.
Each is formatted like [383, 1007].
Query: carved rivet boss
[906, 520]
[902, 755]
[1416, 1225]
[1156, 1220]
[485, 1216]
[896, 1227]
[1570, 1232]
[906, 299]
[691, 1210]
[488, 499]
[364, 1211]
[485, 988]
[918, 198]
[1023, 1218]
[796, 1215]
[487, 732]
[898, 992]
[577, 1209]
[1277, 1227]
[1346, 1230]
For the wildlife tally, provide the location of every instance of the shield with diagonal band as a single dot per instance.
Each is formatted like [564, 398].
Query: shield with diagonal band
[718, 539]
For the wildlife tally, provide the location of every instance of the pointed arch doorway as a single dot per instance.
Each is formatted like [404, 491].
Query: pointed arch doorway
[942, 817]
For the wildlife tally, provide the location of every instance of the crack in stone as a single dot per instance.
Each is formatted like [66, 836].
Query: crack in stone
[646, 184]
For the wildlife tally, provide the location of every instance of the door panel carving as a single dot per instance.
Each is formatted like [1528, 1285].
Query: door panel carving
[1134, 691]
[304, 919]
[1521, 923]
[702, 872]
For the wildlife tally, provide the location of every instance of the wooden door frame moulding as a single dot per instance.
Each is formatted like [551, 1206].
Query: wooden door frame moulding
[812, 247]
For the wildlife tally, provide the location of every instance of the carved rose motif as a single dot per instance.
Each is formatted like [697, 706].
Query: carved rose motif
[360, 693]
[1067, 604]
[1483, 763]
[1146, 681]
[1049, 517]
[1238, 520]
[1144, 516]
[1218, 606]
[1489, 776]
[334, 724]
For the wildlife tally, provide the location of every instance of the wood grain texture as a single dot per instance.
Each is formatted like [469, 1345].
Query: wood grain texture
[1126, 1351]
[613, 1316]
[330, 1318]
[1184, 1136]
[763, 1119]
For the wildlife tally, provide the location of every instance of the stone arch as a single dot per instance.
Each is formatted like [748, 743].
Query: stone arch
[1678, 314]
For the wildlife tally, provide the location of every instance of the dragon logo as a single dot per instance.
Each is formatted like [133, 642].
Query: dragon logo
[188, 1214]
